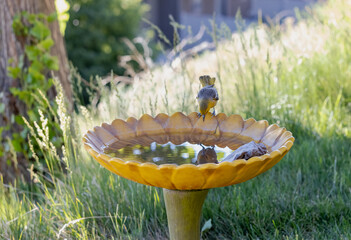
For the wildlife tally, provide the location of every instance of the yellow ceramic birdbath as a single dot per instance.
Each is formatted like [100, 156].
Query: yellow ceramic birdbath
[185, 186]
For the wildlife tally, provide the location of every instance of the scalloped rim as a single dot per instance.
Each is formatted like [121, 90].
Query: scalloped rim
[282, 137]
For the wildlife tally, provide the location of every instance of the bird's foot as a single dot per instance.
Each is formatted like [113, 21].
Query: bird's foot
[203, 116]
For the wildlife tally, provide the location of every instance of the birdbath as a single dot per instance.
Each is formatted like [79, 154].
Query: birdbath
[185, 186]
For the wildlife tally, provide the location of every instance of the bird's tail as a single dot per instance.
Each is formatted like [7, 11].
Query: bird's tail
[207, 80]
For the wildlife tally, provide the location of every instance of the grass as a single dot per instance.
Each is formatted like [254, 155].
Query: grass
[296, 75]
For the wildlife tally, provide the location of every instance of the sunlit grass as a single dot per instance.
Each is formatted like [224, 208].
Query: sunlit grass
[62, 8]
[298, 77]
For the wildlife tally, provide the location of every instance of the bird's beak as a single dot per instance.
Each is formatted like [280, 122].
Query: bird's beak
[204, 116]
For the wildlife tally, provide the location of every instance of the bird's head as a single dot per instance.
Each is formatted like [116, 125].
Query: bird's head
[207, 155]
[207, 80]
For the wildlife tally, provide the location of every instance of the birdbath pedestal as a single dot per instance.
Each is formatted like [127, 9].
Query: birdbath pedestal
[186, 186]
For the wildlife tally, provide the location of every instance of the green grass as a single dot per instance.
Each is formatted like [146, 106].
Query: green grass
[297, 76]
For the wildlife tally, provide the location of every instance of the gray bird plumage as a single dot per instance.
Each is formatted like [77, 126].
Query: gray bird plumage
[208, 92]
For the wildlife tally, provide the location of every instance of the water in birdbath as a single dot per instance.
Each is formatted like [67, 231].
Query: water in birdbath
[168, 153]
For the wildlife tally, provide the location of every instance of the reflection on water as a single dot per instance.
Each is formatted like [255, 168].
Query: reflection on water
[164, 153]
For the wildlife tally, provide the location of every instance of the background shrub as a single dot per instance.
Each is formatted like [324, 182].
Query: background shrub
[95, 30]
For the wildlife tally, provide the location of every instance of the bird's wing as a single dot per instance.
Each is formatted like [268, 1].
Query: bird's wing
[216, 95]
[212, 92]
[208, 92]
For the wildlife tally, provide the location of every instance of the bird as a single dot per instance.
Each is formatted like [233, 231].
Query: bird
[206, 155]
[207, 96]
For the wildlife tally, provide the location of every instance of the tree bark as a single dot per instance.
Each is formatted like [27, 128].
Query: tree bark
[10, 48]
[59, 50]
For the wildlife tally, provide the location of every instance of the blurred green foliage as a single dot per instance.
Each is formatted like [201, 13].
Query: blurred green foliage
[95, 30]
[32, 70]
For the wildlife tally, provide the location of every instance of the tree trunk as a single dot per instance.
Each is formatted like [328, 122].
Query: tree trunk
[10, 48]
[48, 7]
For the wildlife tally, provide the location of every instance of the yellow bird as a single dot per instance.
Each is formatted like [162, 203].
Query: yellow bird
[207, 96]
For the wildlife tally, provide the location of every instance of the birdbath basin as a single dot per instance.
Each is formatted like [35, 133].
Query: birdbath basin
[185, 186]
